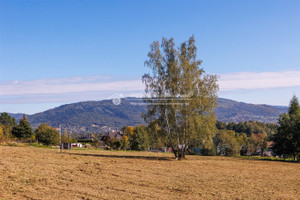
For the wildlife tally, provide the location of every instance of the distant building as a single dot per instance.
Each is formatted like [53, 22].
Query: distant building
[116, 134]
[76, 145]
[111, 135]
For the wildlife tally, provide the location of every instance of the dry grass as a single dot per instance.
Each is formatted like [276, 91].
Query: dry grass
[38, 173]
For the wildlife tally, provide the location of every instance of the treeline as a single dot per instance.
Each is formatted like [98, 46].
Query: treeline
[244, 138]
[253, 138]
[249, 127]
[230, 139]
[10, 131]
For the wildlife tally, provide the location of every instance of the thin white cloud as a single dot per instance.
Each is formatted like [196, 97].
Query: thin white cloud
[67, 85]
[262, 80]
[97, 87]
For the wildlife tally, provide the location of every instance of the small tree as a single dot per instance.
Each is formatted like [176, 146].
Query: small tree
[157, 136]
[128, 132]
[124, 142]
[260, 142]
[5, 132]
[7, 120]
[47, 135]
[114, 143]
[226, 143]
[245, 144]
[23, 130]
[68, 137]
[139, 140]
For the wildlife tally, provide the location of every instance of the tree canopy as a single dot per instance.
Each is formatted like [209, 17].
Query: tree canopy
[7, 120]
[47, 135]
[6, 125]
[180, 97]
[287, 138]
[139, 140]
[23, 130]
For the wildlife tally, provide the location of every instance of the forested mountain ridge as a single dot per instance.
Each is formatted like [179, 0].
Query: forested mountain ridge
[91, 116]
[233, 111]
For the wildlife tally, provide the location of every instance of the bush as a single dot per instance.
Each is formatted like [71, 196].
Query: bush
[139, 140]
[114, 143]
[226, 143]
[47, 135]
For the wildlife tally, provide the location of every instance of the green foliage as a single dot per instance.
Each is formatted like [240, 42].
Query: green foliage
[128, 132]
[227, 143]
[157, 136]
[1, 133]
[251, 136]
[114, 143]
[181, 98]
[23, 130]
[6, 125]
[259, 142]
[47, 135]
[249, 127]
[5, 132]
[139, 141]
[294, 108]
[287, 139]
[267, 158]
[6, 120]
[245, 143]
[68, 137]
[124, 142]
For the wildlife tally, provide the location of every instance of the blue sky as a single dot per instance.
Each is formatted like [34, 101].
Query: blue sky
[57, 52]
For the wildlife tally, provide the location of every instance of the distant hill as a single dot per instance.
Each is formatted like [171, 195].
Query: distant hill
[229, 110]
[91, 116]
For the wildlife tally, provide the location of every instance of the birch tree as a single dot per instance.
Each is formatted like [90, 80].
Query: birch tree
[179, 95]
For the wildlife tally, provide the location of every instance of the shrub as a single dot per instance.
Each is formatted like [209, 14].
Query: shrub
[226, 143]
[47, 135]
[139, 140]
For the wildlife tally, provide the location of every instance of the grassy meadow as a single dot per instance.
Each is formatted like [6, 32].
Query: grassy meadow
[41, 173]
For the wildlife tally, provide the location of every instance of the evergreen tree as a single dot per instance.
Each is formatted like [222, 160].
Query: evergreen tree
[23, 130]
[287, 138]
[7, 120]
[7, 123]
